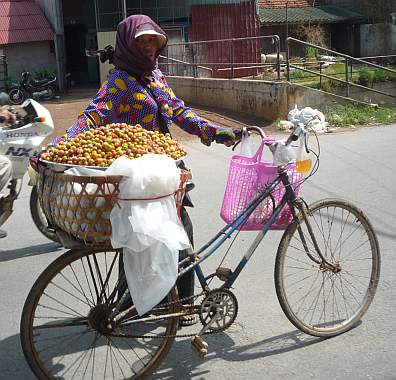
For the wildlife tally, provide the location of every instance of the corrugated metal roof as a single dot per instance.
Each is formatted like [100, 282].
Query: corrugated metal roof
[324, 14]
[23, 21]
[282, 3]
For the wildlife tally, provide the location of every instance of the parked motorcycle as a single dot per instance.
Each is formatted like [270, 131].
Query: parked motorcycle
[19, 142]
[30, 88]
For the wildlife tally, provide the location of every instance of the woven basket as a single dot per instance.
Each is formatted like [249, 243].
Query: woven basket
[247, 178]
[81, 205]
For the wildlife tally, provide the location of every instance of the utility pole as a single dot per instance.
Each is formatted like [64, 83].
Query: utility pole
[287, 21]
[124, 9]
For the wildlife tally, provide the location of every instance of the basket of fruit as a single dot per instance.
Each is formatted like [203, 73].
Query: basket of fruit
[80, 205]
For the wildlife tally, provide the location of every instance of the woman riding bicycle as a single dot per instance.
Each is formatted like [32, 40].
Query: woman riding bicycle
[136, 92]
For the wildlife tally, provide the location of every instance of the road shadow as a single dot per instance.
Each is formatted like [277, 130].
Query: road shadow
[12, 362]
[181, 362]
[20, 253]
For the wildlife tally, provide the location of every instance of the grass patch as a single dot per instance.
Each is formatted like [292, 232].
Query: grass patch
[300, 74]
[344, 116]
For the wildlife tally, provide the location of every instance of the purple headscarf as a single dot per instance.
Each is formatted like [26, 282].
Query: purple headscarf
[127, 55]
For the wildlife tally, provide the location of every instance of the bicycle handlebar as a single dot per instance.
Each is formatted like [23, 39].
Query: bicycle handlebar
[295, 134]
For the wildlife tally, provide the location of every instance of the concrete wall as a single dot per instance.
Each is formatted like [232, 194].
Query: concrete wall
[32, 56]
[264, 99]
[377, 39]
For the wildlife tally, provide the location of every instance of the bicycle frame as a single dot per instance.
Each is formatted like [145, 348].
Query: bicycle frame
[217, 241]
[194, 260]
[226, 232]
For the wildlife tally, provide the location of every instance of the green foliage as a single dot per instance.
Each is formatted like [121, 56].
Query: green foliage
[311, 52]
[8, 82]
[366, 77]
[43, 74]
[346, 115]
[300, 74]
[381, 75]
[329, 85]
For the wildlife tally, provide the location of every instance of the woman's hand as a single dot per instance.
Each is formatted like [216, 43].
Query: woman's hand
[7, 117]
[227, 137]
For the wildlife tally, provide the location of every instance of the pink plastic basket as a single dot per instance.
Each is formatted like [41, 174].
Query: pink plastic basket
[246, 178]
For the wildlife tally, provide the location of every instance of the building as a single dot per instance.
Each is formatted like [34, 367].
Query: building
[354, 27]
[54, 34]
[338, 23]
[26, 39]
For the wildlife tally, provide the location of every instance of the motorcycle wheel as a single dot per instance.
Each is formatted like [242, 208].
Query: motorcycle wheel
[17, 96]
[51, 93]
[39, 218]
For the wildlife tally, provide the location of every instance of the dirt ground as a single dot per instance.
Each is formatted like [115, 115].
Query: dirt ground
[64, 112]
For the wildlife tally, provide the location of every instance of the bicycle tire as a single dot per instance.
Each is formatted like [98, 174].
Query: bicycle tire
[72, 297]
[296, 273]
[39, 219]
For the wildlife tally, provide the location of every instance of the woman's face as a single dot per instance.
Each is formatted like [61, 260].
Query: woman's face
[148, 44]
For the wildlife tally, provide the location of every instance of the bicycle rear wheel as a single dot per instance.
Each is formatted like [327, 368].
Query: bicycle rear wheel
[317, 300]
[65, 331]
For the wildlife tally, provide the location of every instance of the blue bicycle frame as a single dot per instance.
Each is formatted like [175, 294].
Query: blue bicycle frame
[195, 259]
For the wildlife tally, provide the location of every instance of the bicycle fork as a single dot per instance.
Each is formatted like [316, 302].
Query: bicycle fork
[323, 263]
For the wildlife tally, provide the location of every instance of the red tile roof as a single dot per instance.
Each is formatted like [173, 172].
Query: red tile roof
[282, 3]
[23, 21]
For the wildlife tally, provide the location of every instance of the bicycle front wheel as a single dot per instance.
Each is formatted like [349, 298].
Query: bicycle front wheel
[65, 329]
[320, 300]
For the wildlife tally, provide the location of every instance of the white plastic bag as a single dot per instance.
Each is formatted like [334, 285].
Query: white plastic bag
[282, 154]
[146, 225]
[150, 274]
[308, 114]
[246, 145]
[294, 114]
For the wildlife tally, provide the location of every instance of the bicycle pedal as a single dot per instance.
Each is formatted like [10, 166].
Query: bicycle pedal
[223, 273]
[199, 346]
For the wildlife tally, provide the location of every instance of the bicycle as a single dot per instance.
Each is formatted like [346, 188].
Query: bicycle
[76, 322]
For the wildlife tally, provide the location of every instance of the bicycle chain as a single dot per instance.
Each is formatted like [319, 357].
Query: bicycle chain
[210, 332]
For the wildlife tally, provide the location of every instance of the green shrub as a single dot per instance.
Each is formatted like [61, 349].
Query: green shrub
[311, 52]
[380, 75]
[43, 74]
[328, 85]
[366, 77]
[344, 115]
[299, 74]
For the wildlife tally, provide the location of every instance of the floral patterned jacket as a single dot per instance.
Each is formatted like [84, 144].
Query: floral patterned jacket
[123, 98]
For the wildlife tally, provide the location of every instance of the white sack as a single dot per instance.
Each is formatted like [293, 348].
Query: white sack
[318, 123]
[247, 149]
[148, 229]
[150, 275]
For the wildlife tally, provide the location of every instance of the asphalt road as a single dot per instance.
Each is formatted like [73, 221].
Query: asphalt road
[262, 344]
